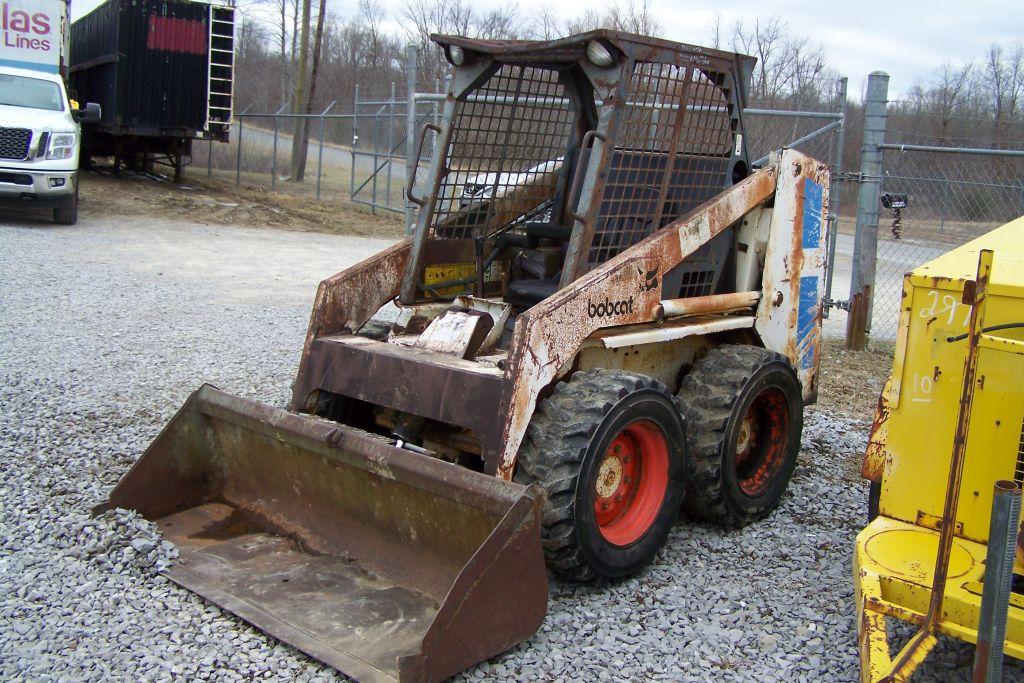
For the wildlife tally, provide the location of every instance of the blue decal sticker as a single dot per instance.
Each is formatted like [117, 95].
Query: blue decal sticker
[806, 317]
[812, 214]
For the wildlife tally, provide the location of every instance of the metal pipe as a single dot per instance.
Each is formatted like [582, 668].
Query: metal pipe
[713, 303]
[565, 102]
[376, 157]
[865, 241]
[238, 155]
[297, 116]
[355, 142]
[273, 163]
[411, 55]
[995, 597]
[835, 195]
[954, 150]
[799, 141]
[670, 332]
[320, 154]
[795, 114]
[391, 142]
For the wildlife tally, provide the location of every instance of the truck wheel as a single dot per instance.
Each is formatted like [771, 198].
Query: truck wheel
[744, 416]
[609, 448]
[67, 212]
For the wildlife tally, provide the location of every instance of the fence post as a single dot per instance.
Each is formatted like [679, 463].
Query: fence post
[355, 142]
[410, 131]
[391, 140]
[320, 154]
[835, 194]
[238, 157]
[273, 162]
[865, 241]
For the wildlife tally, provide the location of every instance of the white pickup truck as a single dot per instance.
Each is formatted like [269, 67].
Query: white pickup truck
[39, 142]
[40, 134]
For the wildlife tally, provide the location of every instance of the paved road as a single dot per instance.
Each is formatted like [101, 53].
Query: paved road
[894, 259]
[339, 156]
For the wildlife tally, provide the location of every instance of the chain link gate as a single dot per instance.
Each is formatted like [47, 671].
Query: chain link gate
[916, 202]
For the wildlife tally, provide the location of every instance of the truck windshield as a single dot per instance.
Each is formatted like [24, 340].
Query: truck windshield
[34, 93]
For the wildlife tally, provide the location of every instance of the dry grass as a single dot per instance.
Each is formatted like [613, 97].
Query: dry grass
[852, 380]
[221, 202]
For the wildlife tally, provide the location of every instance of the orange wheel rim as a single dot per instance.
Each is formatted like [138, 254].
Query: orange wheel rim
[761, 442]
[631, 483]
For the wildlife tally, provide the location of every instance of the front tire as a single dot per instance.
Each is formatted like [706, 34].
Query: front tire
[67, 212]
[609, 448]
[744, 415]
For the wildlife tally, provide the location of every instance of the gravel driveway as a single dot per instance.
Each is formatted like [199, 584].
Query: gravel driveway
[107, 326]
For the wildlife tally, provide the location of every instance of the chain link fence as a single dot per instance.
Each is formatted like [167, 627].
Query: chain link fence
[357, 147]
[933, 200]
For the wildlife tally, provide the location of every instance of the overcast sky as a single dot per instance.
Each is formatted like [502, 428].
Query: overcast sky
[908, 39]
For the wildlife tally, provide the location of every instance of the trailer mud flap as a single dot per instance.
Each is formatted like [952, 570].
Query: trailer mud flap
[386, 564]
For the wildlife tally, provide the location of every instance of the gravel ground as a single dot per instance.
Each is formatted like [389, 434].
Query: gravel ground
[106, 327]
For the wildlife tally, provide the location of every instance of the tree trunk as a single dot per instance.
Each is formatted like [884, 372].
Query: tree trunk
[301, 97]
[308, 109]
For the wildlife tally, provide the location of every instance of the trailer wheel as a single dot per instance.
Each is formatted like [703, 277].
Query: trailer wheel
[609, 448]
[744, 415]
[67, 212]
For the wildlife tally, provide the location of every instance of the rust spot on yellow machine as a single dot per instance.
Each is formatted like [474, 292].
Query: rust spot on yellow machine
[949, 424]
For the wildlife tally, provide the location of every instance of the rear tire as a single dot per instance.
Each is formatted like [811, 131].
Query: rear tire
[609, 448]
[67, 212]
[744, 416]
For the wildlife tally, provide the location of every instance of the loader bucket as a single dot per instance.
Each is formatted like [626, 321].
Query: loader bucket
[386, 564]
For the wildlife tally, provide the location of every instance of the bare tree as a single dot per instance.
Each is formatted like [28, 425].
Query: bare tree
[456, 17]
[301, 94]
[631, 16]
[546, 24]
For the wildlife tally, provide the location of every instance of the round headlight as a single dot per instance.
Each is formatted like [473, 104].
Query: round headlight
[457, 55]
[599, 54]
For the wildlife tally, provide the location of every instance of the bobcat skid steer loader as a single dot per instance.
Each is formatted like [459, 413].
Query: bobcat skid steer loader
[625, 321]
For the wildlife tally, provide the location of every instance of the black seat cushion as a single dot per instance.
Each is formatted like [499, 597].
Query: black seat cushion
[529, 293]
[551, 231]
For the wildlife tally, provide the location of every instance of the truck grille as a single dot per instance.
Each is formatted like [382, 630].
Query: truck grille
[14, 143]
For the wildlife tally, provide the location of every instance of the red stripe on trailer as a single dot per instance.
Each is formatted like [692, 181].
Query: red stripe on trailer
[176, 35]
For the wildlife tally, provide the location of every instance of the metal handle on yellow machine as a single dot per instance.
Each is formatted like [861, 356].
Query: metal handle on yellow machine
[419, 153]
[577, 174]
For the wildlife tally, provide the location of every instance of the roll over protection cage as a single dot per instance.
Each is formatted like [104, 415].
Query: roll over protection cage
[538, 131]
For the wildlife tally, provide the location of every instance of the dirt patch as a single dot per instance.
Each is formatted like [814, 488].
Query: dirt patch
[852, 380]
[216, 202]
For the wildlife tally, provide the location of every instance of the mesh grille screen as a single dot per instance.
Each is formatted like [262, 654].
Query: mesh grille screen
[508, 144]
[674, 147]
[696, 283]
[14, 143]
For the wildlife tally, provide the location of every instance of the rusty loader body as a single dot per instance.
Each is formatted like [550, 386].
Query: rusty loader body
[604, 315]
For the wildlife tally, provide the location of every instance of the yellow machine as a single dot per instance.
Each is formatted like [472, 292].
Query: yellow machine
[949, 425]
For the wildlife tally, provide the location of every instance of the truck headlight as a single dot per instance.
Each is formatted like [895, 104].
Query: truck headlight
[62, 146]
